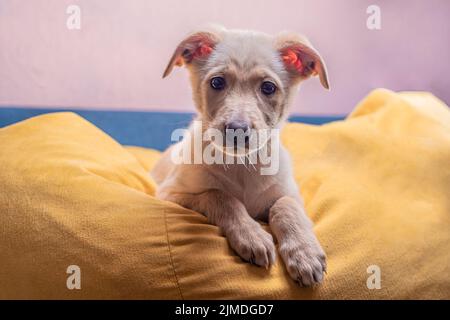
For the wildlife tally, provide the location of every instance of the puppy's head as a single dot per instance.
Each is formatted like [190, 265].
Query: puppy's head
[244, 79]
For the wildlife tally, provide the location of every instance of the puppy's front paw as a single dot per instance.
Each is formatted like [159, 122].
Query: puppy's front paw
[252, 243]
[305, 262]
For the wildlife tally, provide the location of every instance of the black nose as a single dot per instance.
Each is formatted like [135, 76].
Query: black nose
[237, 125]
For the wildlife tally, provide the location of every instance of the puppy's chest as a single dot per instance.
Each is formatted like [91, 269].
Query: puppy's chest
[257, 194]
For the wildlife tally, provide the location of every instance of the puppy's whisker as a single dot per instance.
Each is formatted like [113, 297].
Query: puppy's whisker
[244, 162]
[250, 162]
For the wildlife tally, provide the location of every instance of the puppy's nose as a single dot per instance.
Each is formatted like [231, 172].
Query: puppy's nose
[238, 125]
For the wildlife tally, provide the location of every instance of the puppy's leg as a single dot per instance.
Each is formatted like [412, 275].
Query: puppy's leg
[245, 235]
[298, 246]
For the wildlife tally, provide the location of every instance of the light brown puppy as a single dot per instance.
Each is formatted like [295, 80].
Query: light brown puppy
[246, 80]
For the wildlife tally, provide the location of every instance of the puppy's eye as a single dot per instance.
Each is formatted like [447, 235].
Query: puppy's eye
[218, 83]
[268, 88]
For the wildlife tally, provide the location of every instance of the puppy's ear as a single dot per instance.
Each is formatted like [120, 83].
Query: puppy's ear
[300, 58]
[195, 48]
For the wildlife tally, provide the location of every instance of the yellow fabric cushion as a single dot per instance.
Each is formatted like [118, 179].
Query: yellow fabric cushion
[376, 185]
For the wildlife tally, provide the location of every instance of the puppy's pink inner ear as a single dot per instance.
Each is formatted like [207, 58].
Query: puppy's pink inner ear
[292, 60]
[202, 51]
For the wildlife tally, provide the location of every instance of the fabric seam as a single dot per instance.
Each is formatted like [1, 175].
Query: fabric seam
[171, 257]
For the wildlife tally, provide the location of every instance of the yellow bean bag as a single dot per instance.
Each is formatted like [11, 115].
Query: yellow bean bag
[377, 186]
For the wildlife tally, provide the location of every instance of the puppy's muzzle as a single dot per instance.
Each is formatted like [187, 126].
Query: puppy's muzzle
[238, 132]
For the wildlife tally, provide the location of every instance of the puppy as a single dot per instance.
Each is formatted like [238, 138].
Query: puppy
[245, 80]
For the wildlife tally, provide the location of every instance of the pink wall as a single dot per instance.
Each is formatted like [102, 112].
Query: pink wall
[116, 60]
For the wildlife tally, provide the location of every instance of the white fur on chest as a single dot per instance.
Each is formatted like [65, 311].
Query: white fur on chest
[257, 192]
